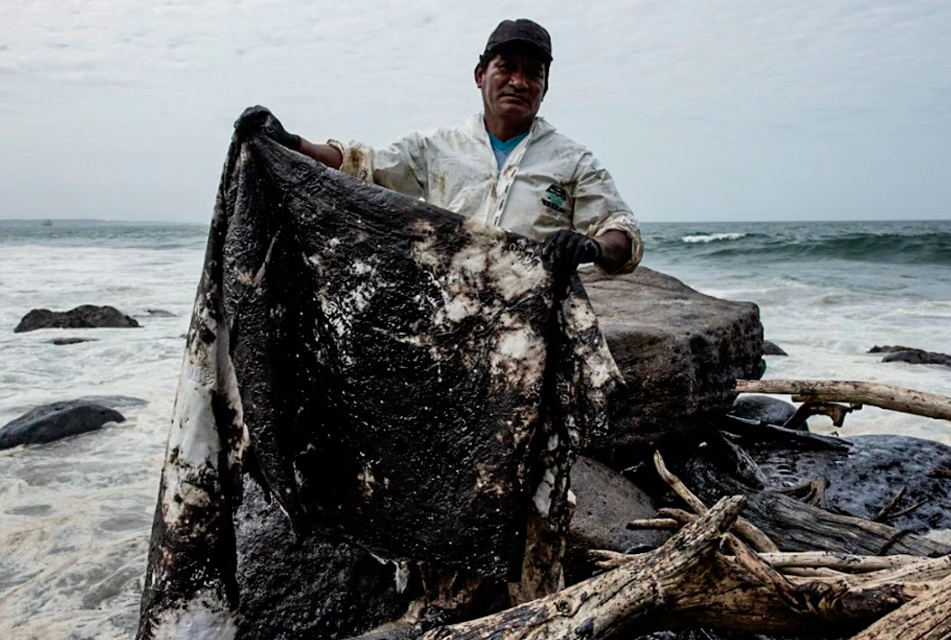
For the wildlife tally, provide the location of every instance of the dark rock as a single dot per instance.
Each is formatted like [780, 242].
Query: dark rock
[82, 317]
[65, 341]
[918, 356]
[770, 349]
[889, 349]
[160, 313]
[680, 352]
[911, 355]
[763, 409]
[865, 477]
[112, 402]
[56, 421]
[607, 501]
[308, 587]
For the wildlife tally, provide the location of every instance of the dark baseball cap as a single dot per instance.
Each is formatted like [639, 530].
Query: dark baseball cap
[523, 32]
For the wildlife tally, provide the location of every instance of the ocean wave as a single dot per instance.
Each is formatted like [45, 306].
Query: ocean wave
[877, 248]
[712, 237]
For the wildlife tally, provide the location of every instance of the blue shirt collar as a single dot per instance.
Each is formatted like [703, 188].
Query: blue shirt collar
[508, 145]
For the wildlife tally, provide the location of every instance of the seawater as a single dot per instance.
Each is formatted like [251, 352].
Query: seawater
[827, 293]
[75, 515]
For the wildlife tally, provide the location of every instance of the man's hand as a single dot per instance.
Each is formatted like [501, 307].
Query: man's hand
[258, 119]
[566, 249]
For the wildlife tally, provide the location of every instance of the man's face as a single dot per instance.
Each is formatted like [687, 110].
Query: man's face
[513, 86]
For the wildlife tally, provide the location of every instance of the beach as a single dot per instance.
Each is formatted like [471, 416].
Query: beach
[75, 515]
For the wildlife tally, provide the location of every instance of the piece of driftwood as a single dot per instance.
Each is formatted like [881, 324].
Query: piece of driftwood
[810, 492]
[839, 561]
[726, 446]
[789, 438]
[796, 526]
[800, 527]
[836, 412]
[843, 562]
[856, 392]
[888, 508]
[606, 605]
[690, 582]
[705, 576]
[756, 537]
[653, 523]
[927, 617]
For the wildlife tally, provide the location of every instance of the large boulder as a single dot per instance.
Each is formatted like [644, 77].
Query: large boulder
[87, 316]
[56, 421]
[606, 502]
[680, 352]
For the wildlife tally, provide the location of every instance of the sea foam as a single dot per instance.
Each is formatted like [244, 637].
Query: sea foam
[713, 237]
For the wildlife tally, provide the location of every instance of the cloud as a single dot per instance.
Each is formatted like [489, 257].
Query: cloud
[700, 110]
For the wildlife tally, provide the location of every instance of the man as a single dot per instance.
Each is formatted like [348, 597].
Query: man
[506, 166]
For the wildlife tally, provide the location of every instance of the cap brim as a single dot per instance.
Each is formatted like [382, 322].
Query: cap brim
[527, 44]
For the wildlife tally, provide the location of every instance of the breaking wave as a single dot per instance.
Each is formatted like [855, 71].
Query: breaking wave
[927, 243]
[891, 248]
[713, 237]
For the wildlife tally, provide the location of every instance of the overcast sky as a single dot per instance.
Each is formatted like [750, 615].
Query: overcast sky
[702, 110]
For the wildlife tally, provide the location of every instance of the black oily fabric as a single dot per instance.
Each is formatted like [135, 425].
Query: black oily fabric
[390, 372]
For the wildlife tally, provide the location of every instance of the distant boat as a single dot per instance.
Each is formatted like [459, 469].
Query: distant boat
[47, 223]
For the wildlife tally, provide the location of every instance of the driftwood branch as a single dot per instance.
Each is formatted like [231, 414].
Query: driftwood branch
[843, 562]
[839, 561]
[835, 412]
[705, 576]
[811, 492]
[606, 605]
[888, 508]
[723, 572]
[690, 582]
[756, 537]
[795, 526]
[927, 617]
[653, 523]
[878, 395]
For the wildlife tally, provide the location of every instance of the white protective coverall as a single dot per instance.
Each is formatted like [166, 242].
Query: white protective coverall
[549, 182]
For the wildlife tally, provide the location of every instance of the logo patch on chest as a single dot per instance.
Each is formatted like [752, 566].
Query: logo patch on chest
[556, 198]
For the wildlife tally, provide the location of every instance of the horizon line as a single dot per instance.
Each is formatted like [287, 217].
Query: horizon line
[720, 221]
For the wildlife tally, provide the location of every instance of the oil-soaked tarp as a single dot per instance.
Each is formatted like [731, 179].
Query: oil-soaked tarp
[390, 372]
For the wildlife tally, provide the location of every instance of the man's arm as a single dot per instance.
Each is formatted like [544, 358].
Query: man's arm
[260, 119]
[322, 153]
[567, 249]
[615, 250]
[400, 167]
[601, 213]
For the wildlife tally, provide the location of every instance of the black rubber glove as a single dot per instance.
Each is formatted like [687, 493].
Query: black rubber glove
[566, 249]
[259, 119]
